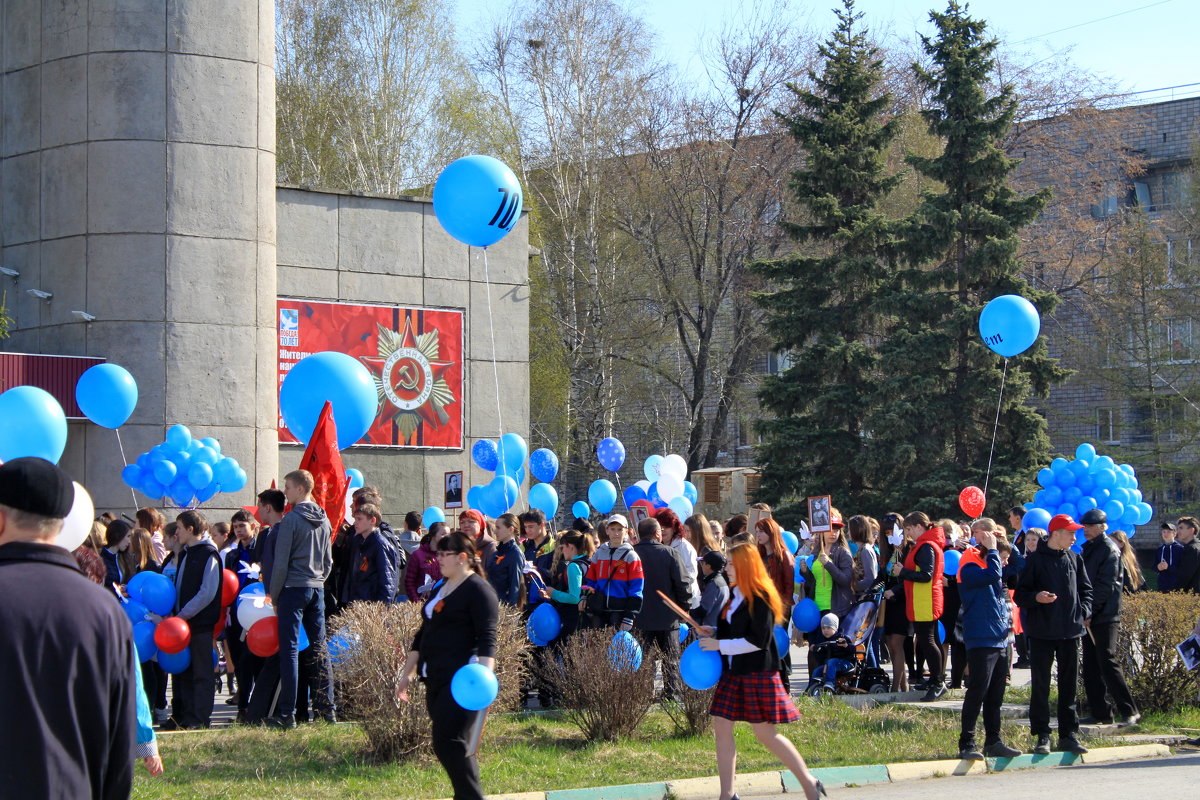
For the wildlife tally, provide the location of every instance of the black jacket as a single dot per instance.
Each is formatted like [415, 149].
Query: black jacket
[68, 691]
[505, 572]
[661, 570]
[758, 628]
[464, 627]
[1102, 560]
[193, 564]
[1060, 572]
[371, 572]
[112, 569]
[1187, 568]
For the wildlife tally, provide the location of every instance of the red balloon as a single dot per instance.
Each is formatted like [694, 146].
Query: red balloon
[229, 587]
[220, 626]
[646, 504]
[172, 635]
[263, 637]
[972, 501]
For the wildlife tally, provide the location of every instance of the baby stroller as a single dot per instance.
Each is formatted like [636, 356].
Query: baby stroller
[857, 627]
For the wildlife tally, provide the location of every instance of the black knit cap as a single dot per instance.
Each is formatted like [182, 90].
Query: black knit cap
[36, 486]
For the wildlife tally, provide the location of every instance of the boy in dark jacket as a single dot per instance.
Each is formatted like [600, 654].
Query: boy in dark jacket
[1168, 556]
[1102, 673]
[371, 571]
[833, 656]
[505, 569]
[1056, 596]
[198, 601]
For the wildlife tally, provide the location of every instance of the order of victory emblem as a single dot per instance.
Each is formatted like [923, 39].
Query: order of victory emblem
[409, 375]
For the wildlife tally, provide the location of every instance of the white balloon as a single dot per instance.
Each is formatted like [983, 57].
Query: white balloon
[78, 523]
[670, 486]
[252, 609]
[674, 465]
[643, 485]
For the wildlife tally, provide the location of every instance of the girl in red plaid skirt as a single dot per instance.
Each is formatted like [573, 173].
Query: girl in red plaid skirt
[750, 689]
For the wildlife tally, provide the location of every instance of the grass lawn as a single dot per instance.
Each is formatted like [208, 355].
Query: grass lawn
[526, 753]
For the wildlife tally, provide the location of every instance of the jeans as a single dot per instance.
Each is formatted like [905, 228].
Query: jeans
[299, 605]
[827, 673]
[987, 671]
[1102, 673]
[1043, 653]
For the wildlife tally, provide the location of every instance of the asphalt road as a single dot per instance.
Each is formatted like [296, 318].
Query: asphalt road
[1173, 778]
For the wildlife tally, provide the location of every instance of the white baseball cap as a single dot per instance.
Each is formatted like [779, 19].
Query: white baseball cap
[617, 518]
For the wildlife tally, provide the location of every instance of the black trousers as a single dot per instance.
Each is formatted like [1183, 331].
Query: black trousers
[985, 690]
[451, 734]
[1043, 653]
[265, 691]
[668, 644]
[1102, 674]
[928, 647]
[195, 684]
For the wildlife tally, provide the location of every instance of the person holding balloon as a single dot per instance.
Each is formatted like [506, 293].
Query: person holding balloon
[921, 574]
[750, 689]
[566, 584]
[198, 603]
[116, 542]
[458, 627]
[781, 567]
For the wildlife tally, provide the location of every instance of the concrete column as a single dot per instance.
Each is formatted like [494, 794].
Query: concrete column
[137, 183]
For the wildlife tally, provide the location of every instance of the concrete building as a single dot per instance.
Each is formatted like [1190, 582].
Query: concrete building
[137, 185]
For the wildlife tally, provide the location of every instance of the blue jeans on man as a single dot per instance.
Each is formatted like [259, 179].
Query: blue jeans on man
[305, 606]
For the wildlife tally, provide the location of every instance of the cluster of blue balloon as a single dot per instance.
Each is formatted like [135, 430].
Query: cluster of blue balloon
[665, 486]
[1089, 481]
[149, 593]
[506, 458]
[184, 468]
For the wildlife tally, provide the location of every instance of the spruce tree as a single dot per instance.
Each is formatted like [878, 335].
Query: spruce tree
[823, 313]
[934, 411]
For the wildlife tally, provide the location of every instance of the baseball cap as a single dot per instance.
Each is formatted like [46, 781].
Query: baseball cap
[36, 486]
[1062, 522]
[618, 519]
[1094, 516]
[835, 520]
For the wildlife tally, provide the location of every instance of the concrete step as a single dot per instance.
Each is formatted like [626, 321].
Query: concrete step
[954, 706]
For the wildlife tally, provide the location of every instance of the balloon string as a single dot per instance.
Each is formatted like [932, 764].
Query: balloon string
[121, 446]
[487, 282]
[995, 427]
[617, 478]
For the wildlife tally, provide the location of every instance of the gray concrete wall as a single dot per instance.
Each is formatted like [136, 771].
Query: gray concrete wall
[137, 183]
[354, 248]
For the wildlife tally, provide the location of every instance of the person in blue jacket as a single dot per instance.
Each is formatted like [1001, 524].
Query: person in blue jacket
[372, 573]
[985, 627]
[505, 567]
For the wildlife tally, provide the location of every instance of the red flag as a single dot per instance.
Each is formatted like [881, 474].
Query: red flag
[323, 460]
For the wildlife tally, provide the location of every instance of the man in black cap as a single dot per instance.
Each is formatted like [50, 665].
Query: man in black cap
[66, 653]
[1101, 671]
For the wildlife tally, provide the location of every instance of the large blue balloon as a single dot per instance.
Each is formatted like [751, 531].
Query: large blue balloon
[200, 475]
[806, 616]
[32, 423]
[513, 450]
[158, 593]
[357, 481]
[132, 476]
[179, 438]
[1009, 325]
[107, 395]
[478, 200]
[611, 453]
[1086, 452]
[502, 492]
[432, 515]
[700, 669]
[950, 561]
[543, 464]
[790, 541]
[1035, 518]
[625, 654]
[485, 455]
[175, 663]
[545, 623]
[1045, 478]
[474, 687]
[544, 497]
[476, 497]
[602, 495]
[580, 510]
[143, 640]
[632, 494]
[135, 611]
[334, 377]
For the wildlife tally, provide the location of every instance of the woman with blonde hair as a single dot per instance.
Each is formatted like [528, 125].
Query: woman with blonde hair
[699, 533]
[87, 555]
[750, 689]
[1132, 579]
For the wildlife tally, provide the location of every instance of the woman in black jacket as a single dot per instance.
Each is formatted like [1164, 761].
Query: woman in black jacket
[458, 628]
[750, 689]
[506, 566]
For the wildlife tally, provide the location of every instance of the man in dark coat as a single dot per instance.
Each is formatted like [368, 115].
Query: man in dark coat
[66, 653]
[1187, 571]
[1101, 670]
[656, 623]
[198, 602]
[1056, 596]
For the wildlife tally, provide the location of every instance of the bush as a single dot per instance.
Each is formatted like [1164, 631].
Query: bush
[599, 692]
[1151, 625]
[689, 714]
[366, 677]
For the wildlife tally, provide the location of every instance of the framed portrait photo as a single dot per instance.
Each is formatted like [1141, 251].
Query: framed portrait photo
[637, 514]
[819, 514]
[454, 490]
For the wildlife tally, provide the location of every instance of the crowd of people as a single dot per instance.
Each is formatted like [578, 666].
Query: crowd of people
[1011, 590]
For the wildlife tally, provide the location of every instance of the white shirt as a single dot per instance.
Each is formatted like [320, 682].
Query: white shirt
[735, 647]
[691, 566]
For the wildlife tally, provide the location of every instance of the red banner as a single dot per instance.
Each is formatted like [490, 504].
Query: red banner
[414, 354]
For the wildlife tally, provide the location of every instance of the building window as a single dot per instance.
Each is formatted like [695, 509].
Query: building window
[712, 488]
[752, 481]
[778, 361]
[1107, 429]
[1179, 338]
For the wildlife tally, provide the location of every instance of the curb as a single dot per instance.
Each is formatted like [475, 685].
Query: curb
[783, 782]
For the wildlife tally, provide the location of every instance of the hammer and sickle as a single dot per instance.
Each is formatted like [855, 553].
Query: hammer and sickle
[407, 378]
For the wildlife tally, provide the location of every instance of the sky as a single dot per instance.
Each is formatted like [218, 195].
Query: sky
[1144, 45]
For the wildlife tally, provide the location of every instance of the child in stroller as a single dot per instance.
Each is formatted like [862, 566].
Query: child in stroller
[840, 654]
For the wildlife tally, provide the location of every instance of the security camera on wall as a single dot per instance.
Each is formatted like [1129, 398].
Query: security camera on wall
[83, 316]
[40, 294]
[11, 273]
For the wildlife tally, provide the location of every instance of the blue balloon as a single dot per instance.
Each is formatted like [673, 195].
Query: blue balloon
[1085, 504]
[1086, 452]
[632, 494]
[485, 455]
[580, 510]
[790, 541]
[342, 646]
[543, 464]
[477, 199]
[207, 493]
[165, 472]
[206, 455]
[225, 470]
[1068, 509]
[1079, 469]
[1009, 325]
[474, 687]
[1145, 512]
[135, 611]
[1127, 469]
[782, 643]
[152, 488]
[107, 395]
[545, 622]
[1085, 483]
[950, 561]
[503, 493]
[1106, 479]
[1103, 462]
[1064, 478]
[133, 586]
[334, 377]
[1115, 509]
[179, 438]
[32, 423]
[143, 640]
[1045, 478]
[611, 454]
[691, 492]
[1053, 496]
[1058, 463]
[1131, 516]
[357, 481]
[1071, 495]
[544, 497]
[199, 476]
[302, 641]
[1122, 496]
[236, 482]
[212, 444]
[175, 663]
[653, 496]
[513, 450]
[603, 495]
[806, 616]
[1036, 518]
[625, 653]
[432, 515]
[681, 506]
[684, 630]
[700, 669]
[476, 497]
[941, 632]
[158, 593]
[132, 476]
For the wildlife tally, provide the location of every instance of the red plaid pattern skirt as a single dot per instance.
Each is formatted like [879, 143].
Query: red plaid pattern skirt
[756, 697]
